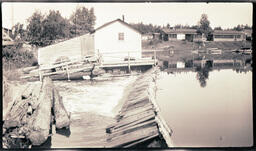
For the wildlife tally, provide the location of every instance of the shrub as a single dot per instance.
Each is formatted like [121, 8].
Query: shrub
[14, 57]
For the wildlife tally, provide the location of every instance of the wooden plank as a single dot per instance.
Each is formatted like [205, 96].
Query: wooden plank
[136, 102]
[140, 141]
[139, 105]
[133, 137]
[133, 126]
[136, 110]
[130, 119]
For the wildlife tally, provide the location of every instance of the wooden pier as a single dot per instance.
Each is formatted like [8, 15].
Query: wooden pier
[76, 69]
[139, 122]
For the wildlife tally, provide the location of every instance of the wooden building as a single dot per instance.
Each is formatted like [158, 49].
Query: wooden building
[180, 34]
[112, 41]
[228, 35]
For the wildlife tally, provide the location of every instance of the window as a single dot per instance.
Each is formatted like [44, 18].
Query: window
[224, 36]
[120, 36]
[172, 35]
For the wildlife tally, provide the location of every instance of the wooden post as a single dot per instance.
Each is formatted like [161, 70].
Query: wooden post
[67, 72]
[40, 74]
[155, 57]
[129, 67]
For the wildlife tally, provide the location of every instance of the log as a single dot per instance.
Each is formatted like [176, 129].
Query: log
[40, 122]
[35, 95]
[61, 116]
[16, 114]
[28, 91]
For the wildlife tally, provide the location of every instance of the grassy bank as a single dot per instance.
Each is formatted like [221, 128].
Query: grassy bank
[183, 50]
[14, 59]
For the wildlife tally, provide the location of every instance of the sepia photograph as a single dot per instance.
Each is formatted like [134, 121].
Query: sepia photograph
[126, 75]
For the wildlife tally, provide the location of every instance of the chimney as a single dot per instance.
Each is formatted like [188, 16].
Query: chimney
[123, 18]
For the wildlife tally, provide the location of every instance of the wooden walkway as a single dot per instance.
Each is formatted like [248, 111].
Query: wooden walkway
[78, 68]
[138, 120]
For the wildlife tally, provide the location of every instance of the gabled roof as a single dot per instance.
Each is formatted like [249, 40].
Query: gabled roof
[117, 20]
[227, 32]
[178, 31]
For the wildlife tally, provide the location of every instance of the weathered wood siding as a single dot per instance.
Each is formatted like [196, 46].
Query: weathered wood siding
[73, 48]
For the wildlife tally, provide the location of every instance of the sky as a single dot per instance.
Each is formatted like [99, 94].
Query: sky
[226, 15]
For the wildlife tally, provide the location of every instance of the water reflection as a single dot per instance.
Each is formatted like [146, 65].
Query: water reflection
[203, 74]
[217, 115]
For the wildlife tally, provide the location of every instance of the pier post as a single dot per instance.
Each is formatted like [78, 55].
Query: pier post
[67, 72]
[129, 67]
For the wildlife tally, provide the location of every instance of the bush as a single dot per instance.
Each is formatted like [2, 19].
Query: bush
[14, 57]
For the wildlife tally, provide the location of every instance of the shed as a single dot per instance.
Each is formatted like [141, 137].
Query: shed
[113, 41]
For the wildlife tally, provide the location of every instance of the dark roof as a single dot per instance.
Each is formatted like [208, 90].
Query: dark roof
[178, 31]
[117, 20]
[6, 29]
[227, 32]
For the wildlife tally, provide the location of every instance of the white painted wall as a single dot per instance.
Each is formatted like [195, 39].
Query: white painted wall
[107, 43]
[181, 36]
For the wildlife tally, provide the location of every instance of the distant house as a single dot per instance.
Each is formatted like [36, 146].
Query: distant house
[147, 36]
[180, 34]
[156, 36]
[248, 34]
[227, 35]
[6, 39]
[113, 41]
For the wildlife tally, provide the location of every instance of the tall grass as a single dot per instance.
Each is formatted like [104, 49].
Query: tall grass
[14, 58]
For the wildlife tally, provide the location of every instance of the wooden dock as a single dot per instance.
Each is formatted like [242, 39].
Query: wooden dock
[139, 121]
[76, 69]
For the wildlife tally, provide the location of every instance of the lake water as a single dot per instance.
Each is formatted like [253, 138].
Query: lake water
[207, 108]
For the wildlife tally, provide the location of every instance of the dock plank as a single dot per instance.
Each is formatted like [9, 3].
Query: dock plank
[132, 137]
[128, 120]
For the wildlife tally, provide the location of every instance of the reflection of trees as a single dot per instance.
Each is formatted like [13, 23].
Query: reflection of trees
[203, 74]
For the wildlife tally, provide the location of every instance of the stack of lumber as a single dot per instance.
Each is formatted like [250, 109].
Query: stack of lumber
[138, 121]
[30, 118]
[62, 71]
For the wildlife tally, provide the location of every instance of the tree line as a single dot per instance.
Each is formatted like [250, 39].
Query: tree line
[203, 27]
[43, 30]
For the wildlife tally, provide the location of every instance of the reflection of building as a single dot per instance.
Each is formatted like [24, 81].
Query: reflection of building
[111, 41]
[6, 39]
[227, 35]
[181, 34]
